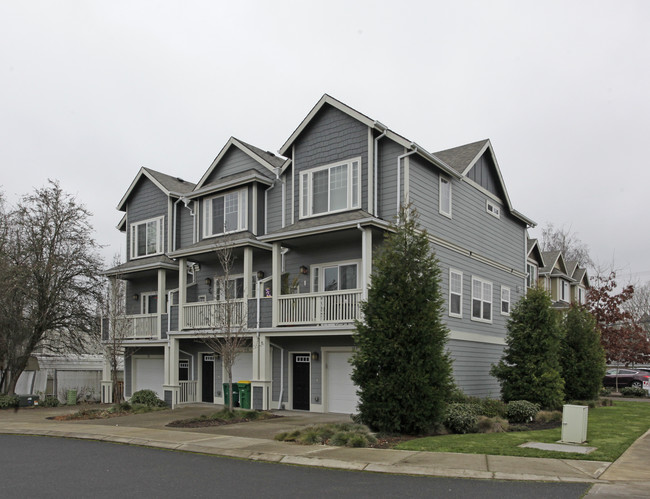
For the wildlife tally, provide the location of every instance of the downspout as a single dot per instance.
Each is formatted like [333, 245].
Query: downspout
[376, 167]
[186, 202]
[266, 203]
[399, 171]
[281, 374]
[174, 226]
[365, 264]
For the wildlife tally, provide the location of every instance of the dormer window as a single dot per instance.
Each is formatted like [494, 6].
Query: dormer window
[330, 188]
[225, 213]
[146, 237]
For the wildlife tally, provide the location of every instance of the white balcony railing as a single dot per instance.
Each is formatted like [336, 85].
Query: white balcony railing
[319, 308]
[214, 314]
[131, 327]
[187, 391]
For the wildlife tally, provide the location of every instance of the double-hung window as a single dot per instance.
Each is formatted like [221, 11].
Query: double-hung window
[455, 293]
[445, 197]
[564, 291]
[481, 300]
[225, 213]
[331, 188]
[335, 277]
[147, 237]
[505, 300]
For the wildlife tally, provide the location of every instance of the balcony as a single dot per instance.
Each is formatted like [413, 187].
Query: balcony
[339, 307]
[131, 327]
[203, 315]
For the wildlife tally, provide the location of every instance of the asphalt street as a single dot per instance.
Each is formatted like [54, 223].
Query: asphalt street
[43, 467]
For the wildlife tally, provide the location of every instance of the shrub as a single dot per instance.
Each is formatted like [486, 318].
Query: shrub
[147, 397]
[605, 392]
[7, 401]
[461, 418]
[457, 396]
[633, 391]
[50, 401]
[491, 425]
[548, 416]
[345, 434]
[521, 411]
[493, 408]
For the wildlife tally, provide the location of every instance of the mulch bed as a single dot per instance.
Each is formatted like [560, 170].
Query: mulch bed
[206, 423]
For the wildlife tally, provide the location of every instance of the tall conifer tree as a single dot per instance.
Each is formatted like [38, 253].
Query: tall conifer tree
[400, 366]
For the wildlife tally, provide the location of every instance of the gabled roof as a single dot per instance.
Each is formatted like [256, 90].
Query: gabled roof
[232, 181]
[463, 158]
[534, 253]
[369, 122]
[166, 183]
[577, 273]
[553, 260]
[265, 158]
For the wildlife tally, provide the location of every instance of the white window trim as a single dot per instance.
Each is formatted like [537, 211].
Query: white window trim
[306, 185]
[441, 208]
[322, 266]
[159, 236]
[454, 314]
[565, 291]
[492, 208]
[535, 277]
[217, 280]
[242, 213]
[509, 300]
[482, 300]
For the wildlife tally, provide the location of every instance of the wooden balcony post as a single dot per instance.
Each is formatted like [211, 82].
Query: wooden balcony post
[248, 271]
[162, 284]
[366, 261]
[276, 266]
[182, 291]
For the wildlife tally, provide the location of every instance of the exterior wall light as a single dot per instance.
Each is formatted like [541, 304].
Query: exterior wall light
[315, 356]
[260, 275]
[136, 297]
[304, 270]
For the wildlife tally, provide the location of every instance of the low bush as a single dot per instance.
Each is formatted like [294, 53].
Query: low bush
[9, 401]
[457, 396]
[548, 417]
[344, 435]
[633, 391]
[605, 392]
[50, 401]
[493, 408]
[461, 418]
[521, 411]
[147, 397]
[496, 424]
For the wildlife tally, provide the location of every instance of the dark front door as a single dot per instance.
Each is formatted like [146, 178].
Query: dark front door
[207, 376]
[301, 381]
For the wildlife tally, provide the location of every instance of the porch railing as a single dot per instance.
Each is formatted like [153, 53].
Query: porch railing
[319, 308]
[187, 391]
[214, 314]
[131, 327]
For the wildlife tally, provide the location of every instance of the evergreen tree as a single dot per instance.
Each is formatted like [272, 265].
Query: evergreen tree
[400, 366]
[582, 355]
[530, 367]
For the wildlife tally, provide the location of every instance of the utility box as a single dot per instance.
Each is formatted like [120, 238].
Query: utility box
[574, 423]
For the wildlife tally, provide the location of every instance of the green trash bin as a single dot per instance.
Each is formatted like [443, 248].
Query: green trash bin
[244, 394]
[72, 397]
[235, 395]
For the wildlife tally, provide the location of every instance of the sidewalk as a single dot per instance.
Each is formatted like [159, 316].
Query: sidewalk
[628, 477]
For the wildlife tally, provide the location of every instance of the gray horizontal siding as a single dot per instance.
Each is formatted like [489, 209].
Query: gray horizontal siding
[387, 188]
[471, 226]
[472, 362]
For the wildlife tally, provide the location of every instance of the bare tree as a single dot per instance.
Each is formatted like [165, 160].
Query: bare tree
[566, 241]
[117, 327]
[227, 336]
[639, 304]
[49, 280]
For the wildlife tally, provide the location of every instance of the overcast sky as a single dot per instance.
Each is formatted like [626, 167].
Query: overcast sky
[91, 91]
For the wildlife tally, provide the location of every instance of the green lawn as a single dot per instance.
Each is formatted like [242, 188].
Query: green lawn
[611, 429]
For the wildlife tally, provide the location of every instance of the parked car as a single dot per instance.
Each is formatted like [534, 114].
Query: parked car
[626, 377]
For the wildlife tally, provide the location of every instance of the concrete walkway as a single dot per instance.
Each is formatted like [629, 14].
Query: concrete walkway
[628, 477]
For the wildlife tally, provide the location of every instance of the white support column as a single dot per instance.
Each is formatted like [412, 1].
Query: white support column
[248, 272]
[162, 284]
[276, 266]
[366, 258]
[262, 372]
[171, 371]
[182, 291]
[107, 380]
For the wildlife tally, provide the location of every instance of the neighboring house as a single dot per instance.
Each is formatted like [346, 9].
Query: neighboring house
[555, 278]
[580, 283]
[303, 227]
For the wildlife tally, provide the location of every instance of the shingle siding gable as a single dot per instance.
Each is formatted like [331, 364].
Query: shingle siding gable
[235, 161]
[145, 202]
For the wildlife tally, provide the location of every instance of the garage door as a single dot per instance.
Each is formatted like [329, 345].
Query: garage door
[242, 369]
[341, 392]
[149, 374]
